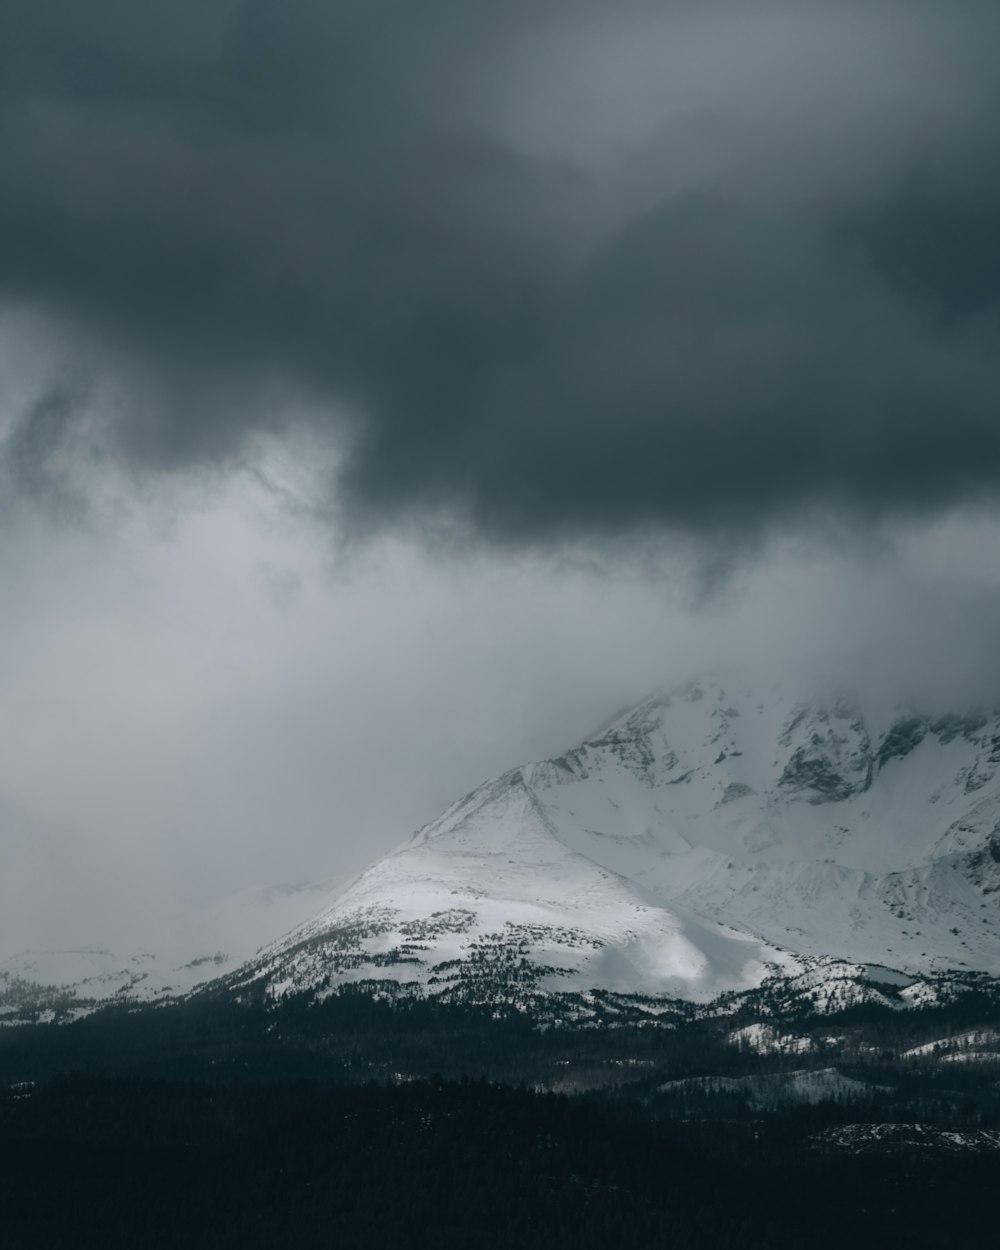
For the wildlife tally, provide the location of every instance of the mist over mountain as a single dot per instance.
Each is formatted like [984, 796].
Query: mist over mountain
[387, 392]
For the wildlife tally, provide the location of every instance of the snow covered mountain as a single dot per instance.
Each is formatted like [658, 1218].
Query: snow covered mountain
[702, 845]
[705, 843]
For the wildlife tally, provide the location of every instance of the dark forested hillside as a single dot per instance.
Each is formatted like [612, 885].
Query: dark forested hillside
[361, 1124]
[95, 1161]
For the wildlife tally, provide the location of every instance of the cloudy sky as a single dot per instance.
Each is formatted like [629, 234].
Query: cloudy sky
[389, 392]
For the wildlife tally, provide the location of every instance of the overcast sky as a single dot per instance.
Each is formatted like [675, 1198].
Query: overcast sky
[389, 392]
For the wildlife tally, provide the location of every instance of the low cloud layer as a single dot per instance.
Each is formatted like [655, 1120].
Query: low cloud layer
[549, 271]
[196, 702]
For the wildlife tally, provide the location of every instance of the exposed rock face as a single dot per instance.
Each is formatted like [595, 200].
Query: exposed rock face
[831, 754]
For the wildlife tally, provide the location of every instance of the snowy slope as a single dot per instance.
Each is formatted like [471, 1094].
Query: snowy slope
[180, 951]
[704, 842]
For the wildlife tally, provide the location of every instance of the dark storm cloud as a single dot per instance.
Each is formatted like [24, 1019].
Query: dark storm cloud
[240, 206]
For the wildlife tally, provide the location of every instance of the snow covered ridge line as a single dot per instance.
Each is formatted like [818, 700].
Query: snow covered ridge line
[899, 1138]
[507, 981]
[776, 1009]
[828, 986]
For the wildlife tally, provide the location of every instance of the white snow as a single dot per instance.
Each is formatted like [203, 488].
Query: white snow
[967, 1046]
[867, 1138]
[702, 842]
[764, 1039]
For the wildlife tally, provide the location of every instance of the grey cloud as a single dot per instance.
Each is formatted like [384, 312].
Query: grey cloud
[938, 244]
[241, 204]
[40, 433]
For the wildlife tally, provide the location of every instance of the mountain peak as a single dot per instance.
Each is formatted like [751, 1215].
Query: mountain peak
[706, 839]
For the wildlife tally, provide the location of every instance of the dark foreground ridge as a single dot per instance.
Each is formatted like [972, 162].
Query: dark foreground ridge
[99, 1162]
[359, 1123]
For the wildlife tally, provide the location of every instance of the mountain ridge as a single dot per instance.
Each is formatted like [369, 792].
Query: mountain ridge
[709, 841]
[678, 854]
